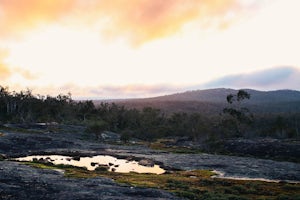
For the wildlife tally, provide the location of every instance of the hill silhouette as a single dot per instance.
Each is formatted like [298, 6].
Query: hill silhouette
[212, 101]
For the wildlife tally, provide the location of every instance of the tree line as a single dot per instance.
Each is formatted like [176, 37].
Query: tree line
[147, 123]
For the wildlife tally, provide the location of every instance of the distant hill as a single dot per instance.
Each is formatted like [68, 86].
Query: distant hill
[219, 95]
[212, 101]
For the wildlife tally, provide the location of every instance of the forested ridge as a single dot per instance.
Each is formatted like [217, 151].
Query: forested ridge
[211, 101]
[147, 123]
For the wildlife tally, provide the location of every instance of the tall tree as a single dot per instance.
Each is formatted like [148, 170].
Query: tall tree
[236, 116]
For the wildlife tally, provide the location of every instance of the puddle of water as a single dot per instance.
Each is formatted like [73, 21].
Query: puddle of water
[91, 163]
[220, 174]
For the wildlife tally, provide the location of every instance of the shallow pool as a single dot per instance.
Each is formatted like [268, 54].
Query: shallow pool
[91, 163]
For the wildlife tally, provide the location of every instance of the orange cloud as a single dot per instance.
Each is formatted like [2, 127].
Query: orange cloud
[4, 69]
[18, 16]
[25, 73]
[137, 20]
[144, 20]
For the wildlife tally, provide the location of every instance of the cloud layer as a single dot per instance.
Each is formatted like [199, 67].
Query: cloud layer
[7, 71]
[21, 16]
[137, 20]
[105, 91]
[4, 69]
[144, 20]
[273, 78]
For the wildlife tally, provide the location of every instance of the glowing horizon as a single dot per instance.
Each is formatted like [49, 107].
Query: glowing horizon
[116, 49]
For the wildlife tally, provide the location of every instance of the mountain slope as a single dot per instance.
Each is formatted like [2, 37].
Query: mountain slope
[219, 96]
[212, 101]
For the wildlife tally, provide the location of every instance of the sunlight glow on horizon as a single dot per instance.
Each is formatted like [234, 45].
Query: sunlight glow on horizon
[69, 57]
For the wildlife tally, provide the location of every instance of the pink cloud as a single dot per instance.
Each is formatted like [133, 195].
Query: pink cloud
[137, 20]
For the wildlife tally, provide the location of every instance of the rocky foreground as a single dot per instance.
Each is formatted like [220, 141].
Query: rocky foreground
[18, 181]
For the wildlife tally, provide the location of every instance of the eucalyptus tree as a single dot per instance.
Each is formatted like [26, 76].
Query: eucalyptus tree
[236, 116]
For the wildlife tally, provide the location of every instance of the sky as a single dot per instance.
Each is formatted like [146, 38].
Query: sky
[100, 49]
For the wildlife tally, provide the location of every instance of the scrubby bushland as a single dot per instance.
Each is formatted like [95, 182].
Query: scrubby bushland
[148, 123]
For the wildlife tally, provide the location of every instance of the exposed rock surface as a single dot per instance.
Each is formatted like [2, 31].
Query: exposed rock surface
[232, 166]
[265, 148]
[18, 181]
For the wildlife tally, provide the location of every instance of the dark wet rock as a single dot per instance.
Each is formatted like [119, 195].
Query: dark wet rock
[73, 141]
[93, 164]
[129, 158]
[285, 150]
[146, 162]
[42, 160]
[102, 168]
[19, 181]
[232, 166]
[2, 157]
[266, 148]
[77, 158]
[110, 164]
[49, 159]
[113, 169]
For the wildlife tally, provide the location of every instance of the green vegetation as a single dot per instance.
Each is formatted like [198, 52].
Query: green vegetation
[149, 123]
[197, 184]
[97, 127]
[165, 145]
[125, 136]
[236, 116]
[159, 131]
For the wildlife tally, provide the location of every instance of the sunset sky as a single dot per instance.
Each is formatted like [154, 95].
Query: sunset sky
[141, 48]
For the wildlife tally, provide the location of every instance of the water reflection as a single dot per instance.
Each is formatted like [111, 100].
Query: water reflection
[91, 163]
